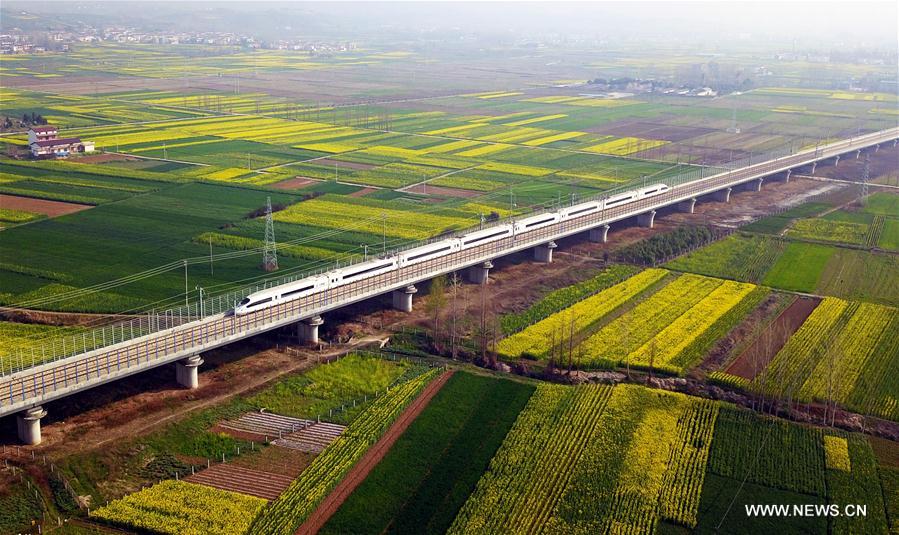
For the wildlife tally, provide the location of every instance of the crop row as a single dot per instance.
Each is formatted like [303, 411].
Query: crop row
[536, 340]
[831, 231]
[837, 374]
[682, 484]
[288, 512]
[530, 470]
[798, 358]
[565, 297]
[182, 508]
[854, 480]
[669, 344]
[647, 459]
[622, 339]
[768, 452]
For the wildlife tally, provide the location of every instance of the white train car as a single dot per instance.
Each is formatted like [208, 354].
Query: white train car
[361, 270]
[621, 199]
[580, 210]
[281, 294]
[480, 237]
[427, 252]
[535, 222]
[653, 190]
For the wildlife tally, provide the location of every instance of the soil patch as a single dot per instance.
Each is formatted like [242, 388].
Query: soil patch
[225, 476]
[423, 189]
[757, 356]
[362, 192]
[41, 206]
[293, 183]
[372, 457]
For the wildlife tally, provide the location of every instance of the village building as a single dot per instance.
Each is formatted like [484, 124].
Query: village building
[46, 143]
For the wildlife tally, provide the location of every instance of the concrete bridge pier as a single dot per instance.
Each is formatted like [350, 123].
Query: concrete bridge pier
[876, 147]
[895, 141]
[858, 153]
[544, 253]
[647, 219]
[755, 185]
[307, 329]
[29, 423]
[402, 298]
[478, 274]
[599, 234]
[723, 195]
[814, 166]
[836, 160]
[186, 372]
[688, 206]
[788, 173]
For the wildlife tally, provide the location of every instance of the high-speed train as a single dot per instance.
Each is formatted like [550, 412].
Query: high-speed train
[371, 268]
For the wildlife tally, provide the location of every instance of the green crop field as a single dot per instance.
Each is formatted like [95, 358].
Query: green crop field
[351, 378]
[742, 257]
[424, 480]
[799, 267]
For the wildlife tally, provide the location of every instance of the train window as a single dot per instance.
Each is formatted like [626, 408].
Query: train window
[244, 301]
[435, 251]
[529, 225]
[257, 303]
[364, 271]
[482, 238]
[582, 210]
[298, 291]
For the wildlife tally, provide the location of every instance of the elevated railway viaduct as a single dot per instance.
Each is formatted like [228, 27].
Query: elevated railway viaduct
[24, 391]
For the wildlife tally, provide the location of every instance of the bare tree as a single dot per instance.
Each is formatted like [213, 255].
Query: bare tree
[455, 283]
[436, 304]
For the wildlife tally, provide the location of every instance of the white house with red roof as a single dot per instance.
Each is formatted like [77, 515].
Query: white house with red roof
[45, 143]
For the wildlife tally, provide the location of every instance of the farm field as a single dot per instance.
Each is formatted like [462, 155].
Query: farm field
[285, 514]
[666, 327]
[178, 507]
[421, 484]
[351, 378]
[506, 151]
[537, 339]
[844, 352]
[701, 450]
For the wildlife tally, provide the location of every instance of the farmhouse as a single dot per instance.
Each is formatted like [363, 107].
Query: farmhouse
[45, 143]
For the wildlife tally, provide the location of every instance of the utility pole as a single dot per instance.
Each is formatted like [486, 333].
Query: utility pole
[185, 283]
[384, 220]
[269, 253]
[200, 304]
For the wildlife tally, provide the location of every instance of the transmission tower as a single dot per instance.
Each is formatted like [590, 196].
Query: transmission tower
[269, 253]
[866, 174]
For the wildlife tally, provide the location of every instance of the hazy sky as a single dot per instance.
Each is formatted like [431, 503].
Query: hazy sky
[807, 21]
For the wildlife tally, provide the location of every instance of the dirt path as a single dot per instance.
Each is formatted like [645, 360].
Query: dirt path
[372, 457]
